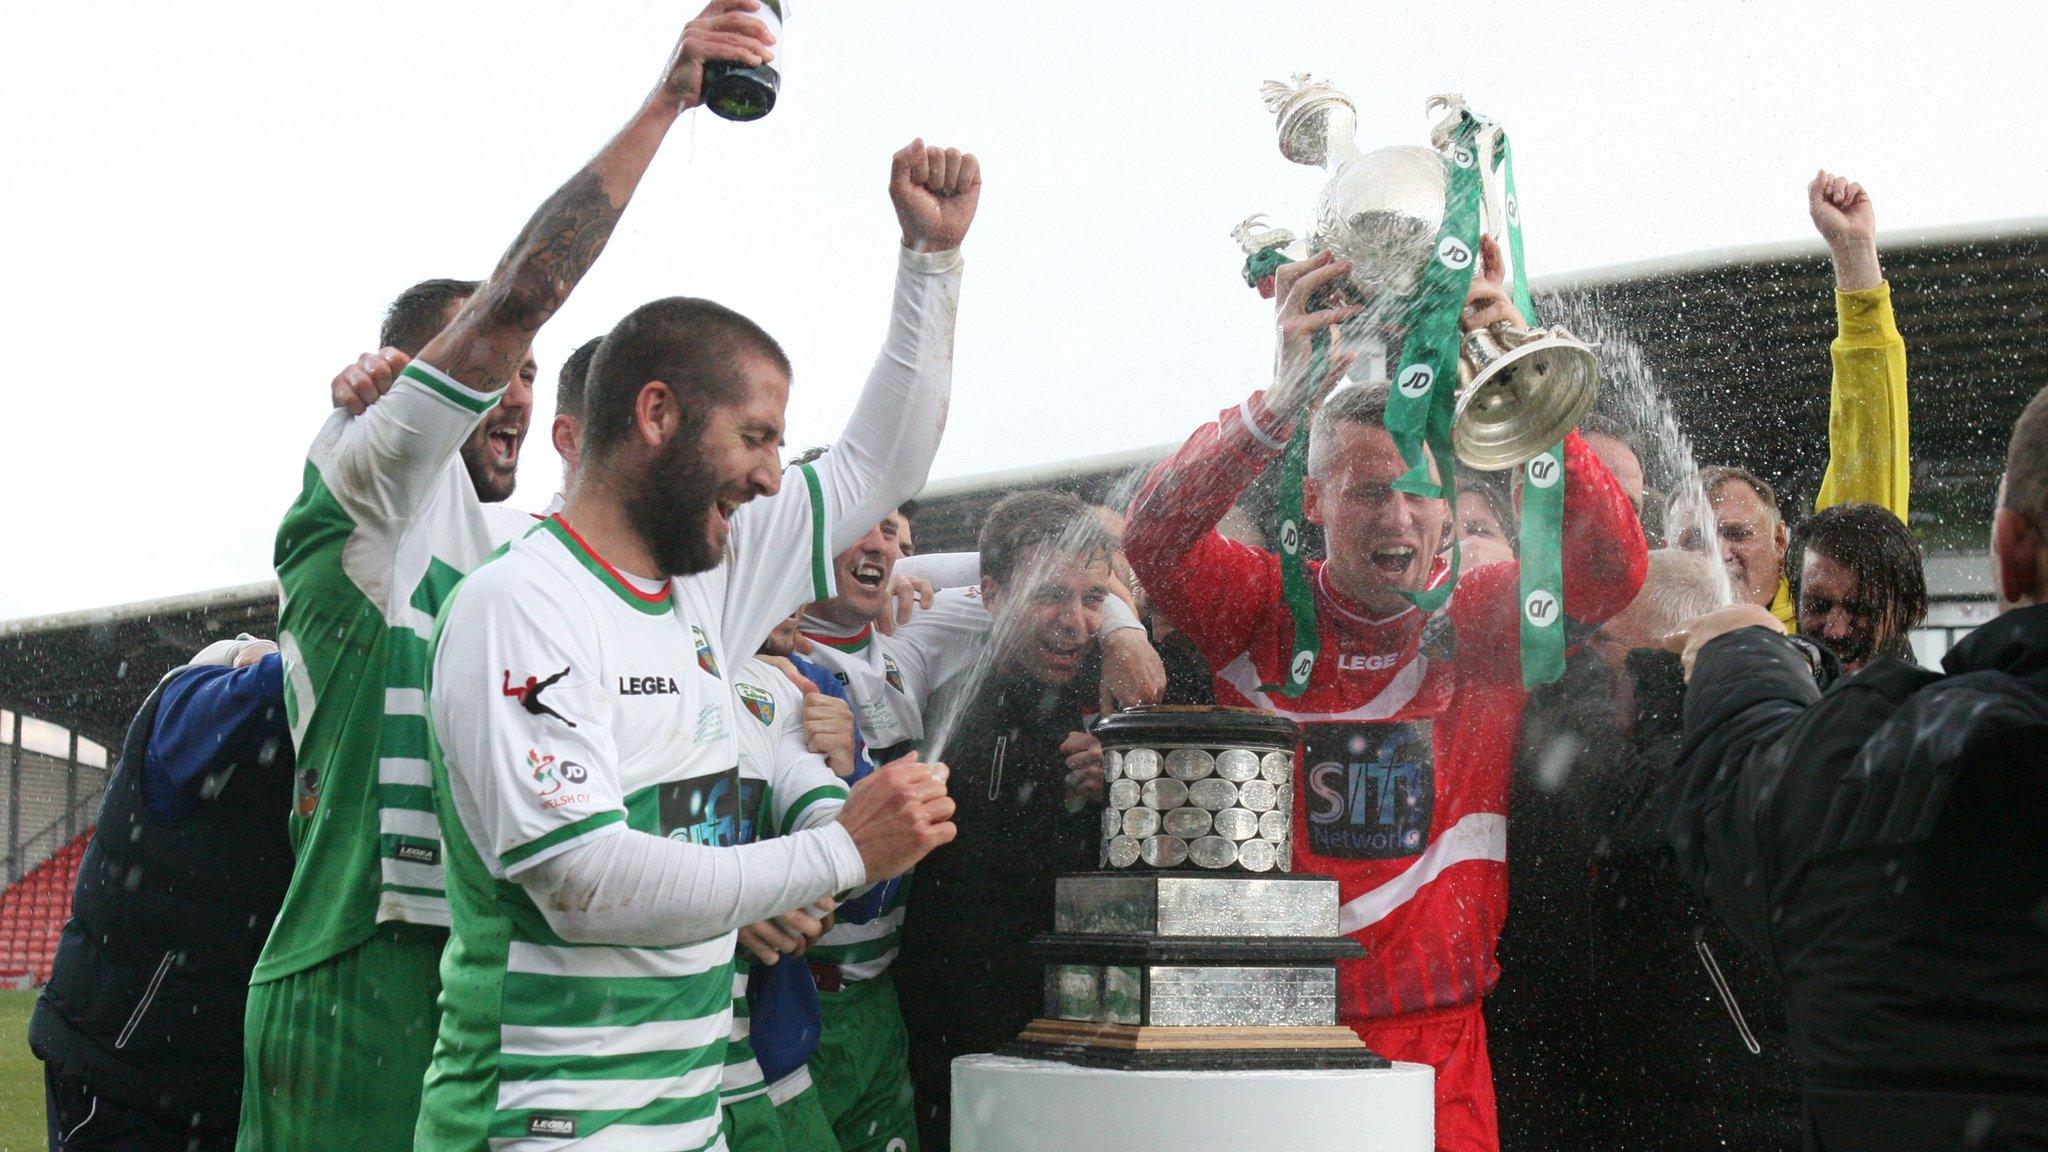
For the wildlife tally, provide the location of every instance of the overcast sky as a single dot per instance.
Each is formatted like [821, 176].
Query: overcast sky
[211, 201]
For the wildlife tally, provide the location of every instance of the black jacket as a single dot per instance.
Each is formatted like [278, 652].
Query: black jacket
[145, 1001]
[966, 974]
[1625, 1017]
[1885, 848]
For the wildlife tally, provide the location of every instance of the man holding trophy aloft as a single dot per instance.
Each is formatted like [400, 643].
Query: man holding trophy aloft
[1407, 680]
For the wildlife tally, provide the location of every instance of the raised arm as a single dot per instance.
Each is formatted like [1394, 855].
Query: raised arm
[1868, 427]
[783, 545]
[488, 339]
[886, 451]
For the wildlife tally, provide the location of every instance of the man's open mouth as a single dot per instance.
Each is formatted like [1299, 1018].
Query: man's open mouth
[1393, 560]
[504, 444]
[867, 574]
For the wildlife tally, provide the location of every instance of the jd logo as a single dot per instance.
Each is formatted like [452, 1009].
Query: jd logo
[1463, 155]
[1304, 663]
[1416, 380]
[1290, 537]
[1544, 470]
[1514, 212]
[1540, 608]
[1454, 253]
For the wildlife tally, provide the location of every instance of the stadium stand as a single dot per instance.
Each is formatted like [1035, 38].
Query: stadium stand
[32, 914]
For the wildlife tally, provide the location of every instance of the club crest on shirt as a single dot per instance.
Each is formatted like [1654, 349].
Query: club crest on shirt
[760, 703]
[1439, 641]
[892, 673]
[705, 658]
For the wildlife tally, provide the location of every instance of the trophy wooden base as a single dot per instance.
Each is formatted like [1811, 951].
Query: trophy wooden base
[1139, 1046]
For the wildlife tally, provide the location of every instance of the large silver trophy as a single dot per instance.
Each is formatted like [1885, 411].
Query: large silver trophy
[1520, 389]
[1195, 946]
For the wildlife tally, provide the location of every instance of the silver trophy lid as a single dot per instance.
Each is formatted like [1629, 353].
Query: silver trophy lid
[1309, 113]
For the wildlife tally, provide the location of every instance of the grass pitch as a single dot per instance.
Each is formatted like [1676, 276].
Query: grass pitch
[21, 1077]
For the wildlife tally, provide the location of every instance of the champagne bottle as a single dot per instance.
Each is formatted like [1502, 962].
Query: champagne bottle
[739, 92]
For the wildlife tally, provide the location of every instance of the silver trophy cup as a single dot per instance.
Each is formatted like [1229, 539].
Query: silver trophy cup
[1520, 390]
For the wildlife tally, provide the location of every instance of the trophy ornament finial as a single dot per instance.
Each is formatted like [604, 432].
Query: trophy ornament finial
[1310, 114]
[1454, 108]
[1253, 236]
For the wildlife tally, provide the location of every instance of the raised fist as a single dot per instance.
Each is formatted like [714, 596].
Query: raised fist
[364, 382]
[1843, 215]
[935, 191]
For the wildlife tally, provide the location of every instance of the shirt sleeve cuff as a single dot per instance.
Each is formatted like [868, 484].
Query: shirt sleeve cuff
[1117, 616]
[1261, 424]
[930, 263]
[847, 869]
[449, 388]
[1865, 317]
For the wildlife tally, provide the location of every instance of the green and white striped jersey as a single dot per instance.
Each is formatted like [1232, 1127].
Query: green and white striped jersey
[784, 788]
[891, 679]
[386, 523]
[619, 718]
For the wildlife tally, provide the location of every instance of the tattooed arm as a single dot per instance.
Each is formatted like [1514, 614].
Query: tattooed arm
[488, 339]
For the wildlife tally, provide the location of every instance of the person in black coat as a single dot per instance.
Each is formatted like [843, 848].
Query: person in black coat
[1625, 1016]
[1026, 779]
[1884, 846]
[140, 1026]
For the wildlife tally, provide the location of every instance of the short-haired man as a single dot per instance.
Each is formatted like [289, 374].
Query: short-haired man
[1028, 782]
[585, 835]
[1401, 703]
[1750, 528]
[397, 504]
[891, 677]
[1868, 443]
[1880, 846]
[1860, 583]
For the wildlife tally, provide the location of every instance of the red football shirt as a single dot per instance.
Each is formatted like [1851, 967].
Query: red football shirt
[1409, 720]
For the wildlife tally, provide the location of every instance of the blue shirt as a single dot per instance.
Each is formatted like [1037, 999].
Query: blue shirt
[209, 717]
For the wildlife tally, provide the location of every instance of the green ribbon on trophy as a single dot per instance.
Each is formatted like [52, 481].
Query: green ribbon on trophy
[1424, 397]
[1541, 539]
[1294, 589]
[1421, 407]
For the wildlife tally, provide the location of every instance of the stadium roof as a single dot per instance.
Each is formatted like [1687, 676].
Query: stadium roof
[1741, 330]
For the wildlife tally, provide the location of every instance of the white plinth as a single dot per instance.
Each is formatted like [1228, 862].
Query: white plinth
[1005, 1104]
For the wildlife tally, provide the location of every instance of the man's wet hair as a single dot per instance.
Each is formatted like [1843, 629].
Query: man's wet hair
[1714, 476]
[687, 343]
[908, 510]
[1024, 521]
[420, 312]
[1678, 586]
[2025, 487]
[1349, 404]
[1881, 553]
[1491, 488]
[569, 387]
[1596, 424]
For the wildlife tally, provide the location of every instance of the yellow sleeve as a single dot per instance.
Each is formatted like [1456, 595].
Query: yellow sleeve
[1868, 454]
